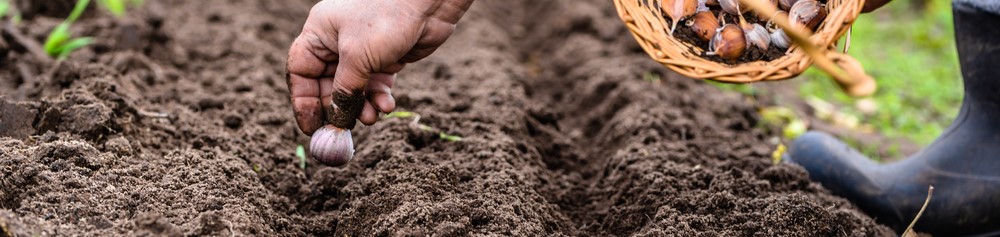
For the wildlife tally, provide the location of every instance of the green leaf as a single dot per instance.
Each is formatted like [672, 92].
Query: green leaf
[399, 114]
[116, 7]
[73, 45]
[56, 39]
[77, 11]
[301, 153]
[449, 137]
[794, 129]
[4, 6]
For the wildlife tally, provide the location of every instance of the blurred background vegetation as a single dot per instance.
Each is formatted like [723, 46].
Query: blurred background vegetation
[909, 48]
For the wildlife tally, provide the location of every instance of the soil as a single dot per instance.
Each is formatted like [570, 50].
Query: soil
[177, 122]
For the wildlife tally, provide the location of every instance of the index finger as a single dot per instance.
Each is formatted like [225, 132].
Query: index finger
[306, 64]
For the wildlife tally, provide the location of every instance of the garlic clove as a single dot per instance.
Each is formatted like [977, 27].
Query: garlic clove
[756, 35]
[807, 14]
[704, 25]
[729, 42]
[786, 4]
[677, 10]
[733, 7]
[780, 39]
[702, 6]
[332, 146]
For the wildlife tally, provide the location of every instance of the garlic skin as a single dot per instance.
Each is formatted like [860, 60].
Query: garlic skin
[786, 4]
[729, 42]
[704, 25]
[757, 36]
[807, 14]
[678, 10]
[332, 146]
[702, 6]
[733, 7]
[780, 39]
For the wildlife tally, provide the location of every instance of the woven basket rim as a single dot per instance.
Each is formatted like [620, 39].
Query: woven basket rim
[650, 31]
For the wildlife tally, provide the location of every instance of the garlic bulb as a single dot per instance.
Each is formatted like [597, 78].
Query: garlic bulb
[332, 146]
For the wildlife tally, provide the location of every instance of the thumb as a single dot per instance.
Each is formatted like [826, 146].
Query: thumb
[347, 97]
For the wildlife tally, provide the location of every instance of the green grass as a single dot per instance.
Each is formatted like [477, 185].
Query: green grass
[911, 53]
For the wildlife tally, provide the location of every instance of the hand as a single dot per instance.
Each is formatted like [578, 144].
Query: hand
[871, 5]
[343, 65]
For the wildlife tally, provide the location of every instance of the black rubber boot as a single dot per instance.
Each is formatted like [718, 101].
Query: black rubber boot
[963, 164]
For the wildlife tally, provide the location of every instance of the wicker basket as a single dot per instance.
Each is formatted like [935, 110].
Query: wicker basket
[650, 29]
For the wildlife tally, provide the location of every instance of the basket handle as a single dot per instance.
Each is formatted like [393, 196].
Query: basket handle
[843, 68]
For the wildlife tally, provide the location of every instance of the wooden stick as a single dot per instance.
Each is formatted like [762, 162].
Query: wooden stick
[854, 82]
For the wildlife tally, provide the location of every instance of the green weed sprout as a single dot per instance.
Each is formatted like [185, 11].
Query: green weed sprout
[416, 122]
[301, 153]
[118, 7]
[60, 42]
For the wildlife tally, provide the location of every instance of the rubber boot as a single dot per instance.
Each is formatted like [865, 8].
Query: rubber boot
[963, 164]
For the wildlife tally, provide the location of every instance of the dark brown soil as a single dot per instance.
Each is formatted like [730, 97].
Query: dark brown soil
[177, 123]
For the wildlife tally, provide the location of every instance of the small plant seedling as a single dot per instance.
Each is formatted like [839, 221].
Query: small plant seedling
[416, 122]
[449, 137]
[399, 114]
[778, 154]
[60, 42]
[301, 153]
[651, 77]
[118, 7]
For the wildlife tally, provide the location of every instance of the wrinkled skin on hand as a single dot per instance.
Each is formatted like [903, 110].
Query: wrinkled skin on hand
[354, 48]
